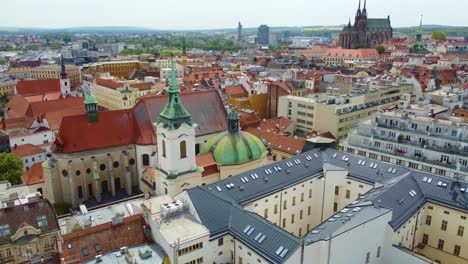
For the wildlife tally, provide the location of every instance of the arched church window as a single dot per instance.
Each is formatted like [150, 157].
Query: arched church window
[145, 158]
[183, 149]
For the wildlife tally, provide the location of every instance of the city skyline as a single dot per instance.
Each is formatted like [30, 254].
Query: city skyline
[206, 14]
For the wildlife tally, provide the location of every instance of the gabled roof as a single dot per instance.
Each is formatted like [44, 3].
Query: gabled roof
[135, 126]
[36, 87]
[15, 216]
[233, 219]
[114, 128]
[35, 175]
[26, 150]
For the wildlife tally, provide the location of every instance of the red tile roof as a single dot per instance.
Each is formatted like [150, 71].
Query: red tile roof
[135, 126]
[36, 87]
[109, 83]
[35, 175]
[16, 107]
[279, 142]
[142, 86]
[236, 91]
[114, 128]
[109, 237]
[26, 150]
[352, 53]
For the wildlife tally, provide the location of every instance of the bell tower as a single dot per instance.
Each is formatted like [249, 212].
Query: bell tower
[64, 81]
[175, 134]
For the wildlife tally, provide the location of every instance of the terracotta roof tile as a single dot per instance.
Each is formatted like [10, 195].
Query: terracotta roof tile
[109, 237]
[236, 91]
[135, 126]
[35, 175]
[26, 150]
[36, 87]
[279, 142]
[15, 217]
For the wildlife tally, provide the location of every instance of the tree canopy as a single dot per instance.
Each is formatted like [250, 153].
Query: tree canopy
[11, 168]
[439, 35]
[380, 49]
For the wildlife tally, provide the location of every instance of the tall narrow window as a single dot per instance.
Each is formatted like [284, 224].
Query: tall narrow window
[164, 148]
[145, 159]
[183, 149]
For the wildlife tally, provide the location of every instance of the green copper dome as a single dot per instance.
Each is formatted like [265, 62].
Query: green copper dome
[234, 147]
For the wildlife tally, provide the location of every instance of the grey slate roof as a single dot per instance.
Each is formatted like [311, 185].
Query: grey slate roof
[222, 217]
[397, 189]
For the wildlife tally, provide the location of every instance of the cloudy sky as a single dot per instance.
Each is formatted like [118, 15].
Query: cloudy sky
[210, 14]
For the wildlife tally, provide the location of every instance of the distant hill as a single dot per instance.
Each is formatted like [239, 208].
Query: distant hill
[451, 30]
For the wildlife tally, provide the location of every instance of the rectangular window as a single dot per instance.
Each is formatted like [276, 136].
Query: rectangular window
[456, 250]
[428, 219]
[275, 209]
[42, 221]
[309, 210]
[440, 245]
[294, 201]
[302, 197]
[348, 194]
[378, 251]
[425, 239]
[310, 193]
[460, 231]
[335, 207]
[285, 205]
[300, 215]
[220, 242]
[292, 219]
[444, 225]
[284, 222]
[266, 213]
[337, 190]
[368, 258]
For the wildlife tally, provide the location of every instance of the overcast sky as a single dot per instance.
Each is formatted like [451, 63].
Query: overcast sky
[213, 14]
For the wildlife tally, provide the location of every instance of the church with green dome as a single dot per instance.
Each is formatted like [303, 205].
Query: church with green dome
[234, 147]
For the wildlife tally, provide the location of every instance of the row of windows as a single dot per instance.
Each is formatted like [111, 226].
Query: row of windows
[444, 224]
[190, 248]
[377, 254]
[441, 244]
[195, 261]
[102, 167]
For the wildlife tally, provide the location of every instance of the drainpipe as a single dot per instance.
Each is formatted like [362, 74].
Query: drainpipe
[414, 234]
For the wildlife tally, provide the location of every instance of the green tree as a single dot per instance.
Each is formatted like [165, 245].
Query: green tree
[380, 49]
[2, 62]
[439, 35]
[11, 168]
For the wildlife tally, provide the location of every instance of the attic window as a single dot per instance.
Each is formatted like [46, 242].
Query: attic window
[42, 221]
[85, 251]
[4, 230]
[97, 247]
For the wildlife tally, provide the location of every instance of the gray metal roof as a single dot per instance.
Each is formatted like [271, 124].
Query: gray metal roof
[398, 189]
[222, 217]
[248, 187]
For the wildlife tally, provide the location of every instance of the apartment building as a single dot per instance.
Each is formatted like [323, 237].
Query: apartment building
[114, 94]
[416, 138]
[29, 231]
[120, 69]
[300, 110]
[325, 205]
[53, 72]
[336, 113]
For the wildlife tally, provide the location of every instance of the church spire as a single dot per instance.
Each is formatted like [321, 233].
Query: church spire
[359, 9]
[364, 11]
[63, 73]
[174, 114]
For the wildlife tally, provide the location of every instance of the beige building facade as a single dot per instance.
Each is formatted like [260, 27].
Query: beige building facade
[53, 72]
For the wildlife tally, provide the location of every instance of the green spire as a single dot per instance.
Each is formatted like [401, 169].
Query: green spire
[91, 107]
[174, 114]
[233, 121]
[418, 46]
